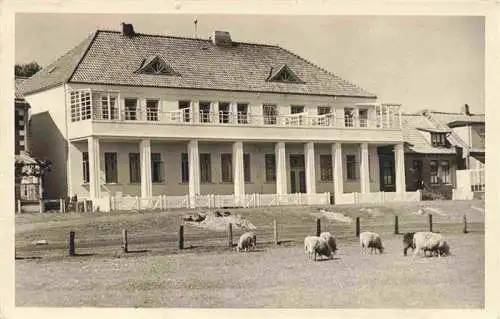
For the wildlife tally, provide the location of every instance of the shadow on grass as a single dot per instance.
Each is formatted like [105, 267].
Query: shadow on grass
[138, 251]
[83, 255]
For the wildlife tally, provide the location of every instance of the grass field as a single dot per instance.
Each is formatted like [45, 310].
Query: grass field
[210, 274]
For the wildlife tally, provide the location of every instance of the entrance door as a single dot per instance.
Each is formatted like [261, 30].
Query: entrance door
[297, 173]
[417, 174]
[387, 171]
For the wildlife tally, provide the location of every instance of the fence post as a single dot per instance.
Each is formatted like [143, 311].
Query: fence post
[124, 241]
[84, 205]
[230, 235]
[19, 206]
[275, 232]
[396, 225]
[430, 223]
[61, 205]
[181, 237]
[42, 204]
[357, 226]
[465, 224]
[318, 226]
[71, 243]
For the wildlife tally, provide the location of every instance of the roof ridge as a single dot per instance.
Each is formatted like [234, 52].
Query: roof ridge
[94, 36]
[325, 70]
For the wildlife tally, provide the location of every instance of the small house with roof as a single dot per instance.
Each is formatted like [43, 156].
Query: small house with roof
[131, 119]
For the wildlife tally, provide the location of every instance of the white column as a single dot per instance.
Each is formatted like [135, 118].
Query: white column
[194, 171]
[364, 169]
[399, 157]
[338, 179]
[94, 167]
[281, 186]
[146, 181]
[238, 172]
[310, 168]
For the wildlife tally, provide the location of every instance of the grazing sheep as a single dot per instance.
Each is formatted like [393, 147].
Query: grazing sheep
[370, 240]
[314, 245]
[408, 242]
[428, 241]
[247, 241]
[330, 239]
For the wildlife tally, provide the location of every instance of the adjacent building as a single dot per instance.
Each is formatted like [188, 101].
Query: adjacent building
[167, 119]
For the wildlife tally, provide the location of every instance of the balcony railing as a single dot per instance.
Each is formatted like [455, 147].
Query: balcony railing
[186, 116]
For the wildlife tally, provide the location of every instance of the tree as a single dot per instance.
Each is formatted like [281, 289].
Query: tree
[27, 69]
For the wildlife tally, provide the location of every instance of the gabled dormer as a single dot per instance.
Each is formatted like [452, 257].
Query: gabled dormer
[283, 74]
[155, 65]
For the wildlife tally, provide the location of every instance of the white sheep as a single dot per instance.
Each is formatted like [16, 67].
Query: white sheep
[428, 241]
[370, 240]
[247, 241]
[315, 245]
[330, 239]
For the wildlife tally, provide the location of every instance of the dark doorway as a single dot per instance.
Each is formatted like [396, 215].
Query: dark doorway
[417, 174]
[387, 171]
[297, 173]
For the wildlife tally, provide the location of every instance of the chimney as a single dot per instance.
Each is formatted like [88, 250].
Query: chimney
[466, 110]
[222, 39]
[127, 29]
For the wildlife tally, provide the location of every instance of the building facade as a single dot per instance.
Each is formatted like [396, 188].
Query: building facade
[125, 114]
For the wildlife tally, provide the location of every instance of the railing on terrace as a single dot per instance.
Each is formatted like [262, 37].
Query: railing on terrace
[185, 116]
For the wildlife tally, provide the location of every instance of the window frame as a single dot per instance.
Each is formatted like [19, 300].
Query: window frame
[205, 168]
[444, 174]
[153, 112]
[434, 174]
[134, 159]
[351, 167]
[111, 179]
[272, 117]
[247, 168]
[226, 163]
[85, 168]
[131, 114]
[157, 168]
[270, 167]
[184, 168]
[326, 173]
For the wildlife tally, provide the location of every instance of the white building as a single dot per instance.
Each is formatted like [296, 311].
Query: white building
[180, 121]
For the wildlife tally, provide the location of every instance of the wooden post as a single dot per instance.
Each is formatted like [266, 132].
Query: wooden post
[275, 232]
[318, 226]
[19, 206]
[465, 224]
[61, 205]
[230, 235]
[430, 222]
[181, 237]
[71, 243]
[396, 225]
[124, 241]
[357, 227]
[42, 204]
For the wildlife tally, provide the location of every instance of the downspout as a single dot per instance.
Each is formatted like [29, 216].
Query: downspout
[69, 191]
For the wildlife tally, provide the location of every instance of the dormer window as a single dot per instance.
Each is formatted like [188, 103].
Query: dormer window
[156, 66]
[283, 74]
[439, 140]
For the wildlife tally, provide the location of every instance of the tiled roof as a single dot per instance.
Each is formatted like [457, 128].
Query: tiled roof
[414, 139]
[59, 71]
[19, 94]
[448, 118]
[112, 58]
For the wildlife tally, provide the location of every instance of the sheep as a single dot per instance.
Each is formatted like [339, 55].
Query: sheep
[428, 241]
[330, 239]
[314, 245]
[408, 242]
[247, 241]
[370, 240]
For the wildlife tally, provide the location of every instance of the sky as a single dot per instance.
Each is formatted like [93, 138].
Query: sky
[421, 62]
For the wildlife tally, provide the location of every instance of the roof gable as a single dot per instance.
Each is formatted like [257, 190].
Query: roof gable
[155, 65]
[283, 74]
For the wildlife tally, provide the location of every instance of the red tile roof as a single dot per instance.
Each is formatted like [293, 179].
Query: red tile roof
[108, 57]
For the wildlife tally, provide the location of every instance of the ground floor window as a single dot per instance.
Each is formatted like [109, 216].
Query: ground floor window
[445, 172]
[226, 162]
[205, 168]
[270, 168]
[247, 168]
[326, 169]
[434, 172]
[134, 167]
[110, 167]
[351, 167]
[184, 168]
[86, 168]
[157, 172]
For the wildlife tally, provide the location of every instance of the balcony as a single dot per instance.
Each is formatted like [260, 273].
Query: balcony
[108, 118]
